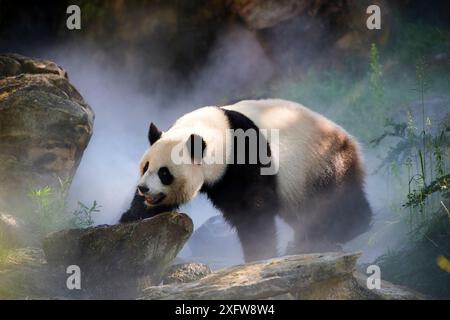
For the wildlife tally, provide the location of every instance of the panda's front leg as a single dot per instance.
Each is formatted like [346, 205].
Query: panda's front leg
[258, 237]
[254, 220]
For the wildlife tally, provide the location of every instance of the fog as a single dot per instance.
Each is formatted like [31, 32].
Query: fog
[124, 109]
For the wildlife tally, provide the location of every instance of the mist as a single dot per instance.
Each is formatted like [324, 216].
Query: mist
[123, 108]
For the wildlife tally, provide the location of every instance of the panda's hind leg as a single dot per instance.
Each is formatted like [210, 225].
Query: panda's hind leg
[329, 220]
[310, 237]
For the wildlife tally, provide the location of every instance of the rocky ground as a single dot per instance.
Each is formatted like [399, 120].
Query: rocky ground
[312, 276]
[133, 261]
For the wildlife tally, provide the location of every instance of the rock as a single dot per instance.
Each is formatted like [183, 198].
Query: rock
[118, 260]
[339, 26]
[259, 14]
[312, 276]
[387, 291]
[260, 280]
[45, 127]
[186, 272]
[115, 261]
[207, 244]
[16, 64]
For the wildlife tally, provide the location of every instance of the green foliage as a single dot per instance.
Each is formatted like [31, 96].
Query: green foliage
[423, 159]
[83, 215]
[342, 97]
[50, 205]
[421, 155]
[417, 197]
[51, 210]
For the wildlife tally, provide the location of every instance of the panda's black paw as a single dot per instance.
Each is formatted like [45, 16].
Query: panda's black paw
[128, 217]
[134, 215]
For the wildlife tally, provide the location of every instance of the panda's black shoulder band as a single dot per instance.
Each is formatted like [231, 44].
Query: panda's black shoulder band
[238, 120]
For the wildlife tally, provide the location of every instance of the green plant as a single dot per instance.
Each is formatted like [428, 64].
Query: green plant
[421, 156]
[422, 152]
[50, 206]
[424, 157]
[50, 211]
[83, 215]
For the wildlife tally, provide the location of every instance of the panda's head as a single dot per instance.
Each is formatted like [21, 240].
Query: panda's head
[165, 181]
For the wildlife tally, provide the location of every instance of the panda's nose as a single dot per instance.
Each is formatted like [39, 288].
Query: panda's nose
[143, 189]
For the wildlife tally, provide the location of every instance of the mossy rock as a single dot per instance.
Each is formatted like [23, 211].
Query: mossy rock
[117, 261]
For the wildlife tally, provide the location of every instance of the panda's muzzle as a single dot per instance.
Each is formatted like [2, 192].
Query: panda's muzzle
[152, 200]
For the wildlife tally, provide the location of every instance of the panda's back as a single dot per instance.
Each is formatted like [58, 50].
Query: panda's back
[310, 146]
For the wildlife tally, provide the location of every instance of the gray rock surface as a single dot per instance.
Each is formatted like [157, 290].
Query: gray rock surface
[312, 276]
[186, 272]
[26, 275]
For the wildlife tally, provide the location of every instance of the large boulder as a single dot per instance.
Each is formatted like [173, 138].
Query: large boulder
[117, 261]
[45, 126]
[311, 276]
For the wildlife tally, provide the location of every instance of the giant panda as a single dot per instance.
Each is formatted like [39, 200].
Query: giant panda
[317, 187]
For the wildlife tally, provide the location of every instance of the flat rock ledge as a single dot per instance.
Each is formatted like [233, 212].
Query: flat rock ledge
[312, 276]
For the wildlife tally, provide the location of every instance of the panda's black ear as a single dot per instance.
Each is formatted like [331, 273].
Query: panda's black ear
[153, 134]
[196, 147]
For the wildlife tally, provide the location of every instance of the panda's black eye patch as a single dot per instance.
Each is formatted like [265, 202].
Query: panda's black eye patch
[165, 176]
[144, 170]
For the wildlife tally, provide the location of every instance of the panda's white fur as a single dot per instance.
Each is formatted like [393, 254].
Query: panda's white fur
[312, 152]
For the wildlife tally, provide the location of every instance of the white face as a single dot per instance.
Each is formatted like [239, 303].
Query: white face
[162, 181]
